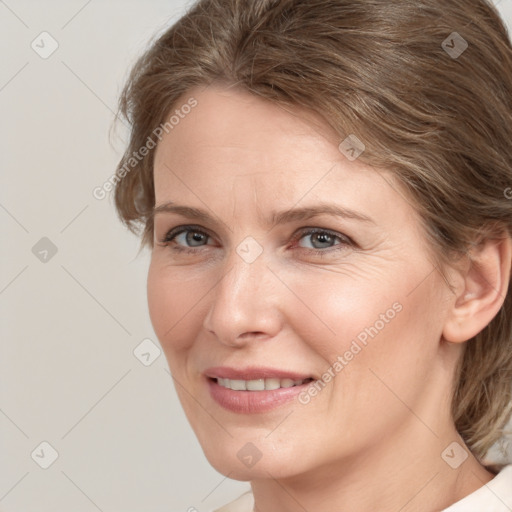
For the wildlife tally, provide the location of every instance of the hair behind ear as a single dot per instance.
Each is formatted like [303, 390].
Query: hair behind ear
[482, 402]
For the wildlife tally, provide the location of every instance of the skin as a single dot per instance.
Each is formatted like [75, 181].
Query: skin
[372, 438]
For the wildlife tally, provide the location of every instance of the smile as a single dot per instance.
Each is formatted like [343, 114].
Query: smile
[260, 384]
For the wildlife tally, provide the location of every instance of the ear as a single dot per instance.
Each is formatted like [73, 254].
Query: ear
[484, 286]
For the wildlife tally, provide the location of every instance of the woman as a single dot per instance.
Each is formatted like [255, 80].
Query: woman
[323, 186]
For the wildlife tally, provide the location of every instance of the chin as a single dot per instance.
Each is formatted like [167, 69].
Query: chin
[244, 462]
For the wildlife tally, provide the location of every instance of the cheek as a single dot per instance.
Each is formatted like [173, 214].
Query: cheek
[334, 308]
[389, 347]
[367, 320]
[387, 339]
[174, 305]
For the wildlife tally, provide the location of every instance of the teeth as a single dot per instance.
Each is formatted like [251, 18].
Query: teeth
[259, 384]
[270, 384]
[256, 385]
[287, 383]
[238, 385]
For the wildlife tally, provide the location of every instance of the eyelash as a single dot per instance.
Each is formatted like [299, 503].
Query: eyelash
[173, 233]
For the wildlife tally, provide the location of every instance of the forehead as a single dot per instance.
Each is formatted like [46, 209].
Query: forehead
[233, 133]
[235, 152]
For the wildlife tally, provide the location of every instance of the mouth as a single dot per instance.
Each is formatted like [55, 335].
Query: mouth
[255, 389]
[262, 384]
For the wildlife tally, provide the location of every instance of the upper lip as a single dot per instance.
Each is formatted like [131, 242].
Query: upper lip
[253, 373]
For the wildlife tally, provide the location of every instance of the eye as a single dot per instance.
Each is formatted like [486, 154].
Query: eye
[190, 239]
[323, 240]
[181, 236]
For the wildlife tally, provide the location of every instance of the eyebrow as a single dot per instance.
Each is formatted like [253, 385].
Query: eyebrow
[276, 217]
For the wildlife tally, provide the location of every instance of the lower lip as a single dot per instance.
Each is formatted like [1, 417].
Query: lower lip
[248, 402]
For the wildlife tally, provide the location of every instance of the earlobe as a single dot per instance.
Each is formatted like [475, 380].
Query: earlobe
[485, 286]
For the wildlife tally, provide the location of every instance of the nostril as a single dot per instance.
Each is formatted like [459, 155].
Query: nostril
[254, 334]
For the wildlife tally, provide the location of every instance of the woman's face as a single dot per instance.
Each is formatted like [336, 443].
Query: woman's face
[357, 306]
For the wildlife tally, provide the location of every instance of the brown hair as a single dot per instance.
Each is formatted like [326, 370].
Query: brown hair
[386, 71]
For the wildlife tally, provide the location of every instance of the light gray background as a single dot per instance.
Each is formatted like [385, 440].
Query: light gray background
[70, 324]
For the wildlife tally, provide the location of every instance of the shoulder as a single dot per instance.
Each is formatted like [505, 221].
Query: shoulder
[243, 503]
[495, 496]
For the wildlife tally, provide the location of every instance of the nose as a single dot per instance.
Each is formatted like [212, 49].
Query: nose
[245, 303]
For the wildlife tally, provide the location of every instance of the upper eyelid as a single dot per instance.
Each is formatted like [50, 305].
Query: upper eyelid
[186, 227]
[200, 229]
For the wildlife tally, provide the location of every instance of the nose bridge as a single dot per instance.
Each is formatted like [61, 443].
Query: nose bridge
[245, 260]
[247, 266]
[244, 299]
